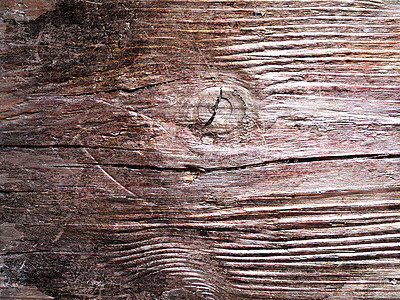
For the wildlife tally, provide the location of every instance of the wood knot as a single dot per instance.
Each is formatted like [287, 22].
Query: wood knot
[220, 109]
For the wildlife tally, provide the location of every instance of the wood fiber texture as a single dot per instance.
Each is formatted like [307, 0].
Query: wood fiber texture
[200, 149]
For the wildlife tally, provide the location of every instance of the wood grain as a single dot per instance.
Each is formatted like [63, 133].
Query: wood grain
[200, 149]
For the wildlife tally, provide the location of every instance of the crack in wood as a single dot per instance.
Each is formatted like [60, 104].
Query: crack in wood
[214, 109]
[203, 169]
[221, 110]
[65, 146]
[115, 90]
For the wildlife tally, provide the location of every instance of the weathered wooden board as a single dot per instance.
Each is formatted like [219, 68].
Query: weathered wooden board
[200, 149]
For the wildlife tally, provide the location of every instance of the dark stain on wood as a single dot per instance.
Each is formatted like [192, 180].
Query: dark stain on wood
[200, 150]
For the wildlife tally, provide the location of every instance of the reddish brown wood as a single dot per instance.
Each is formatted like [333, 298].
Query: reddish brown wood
[200, 149]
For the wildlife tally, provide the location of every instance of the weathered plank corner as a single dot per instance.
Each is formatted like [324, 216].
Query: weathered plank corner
[181, 149]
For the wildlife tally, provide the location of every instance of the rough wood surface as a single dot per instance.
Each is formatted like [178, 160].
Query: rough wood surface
[200, 149]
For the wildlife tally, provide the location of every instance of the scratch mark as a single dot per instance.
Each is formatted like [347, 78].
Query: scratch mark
[108, 175]
[58, 236]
